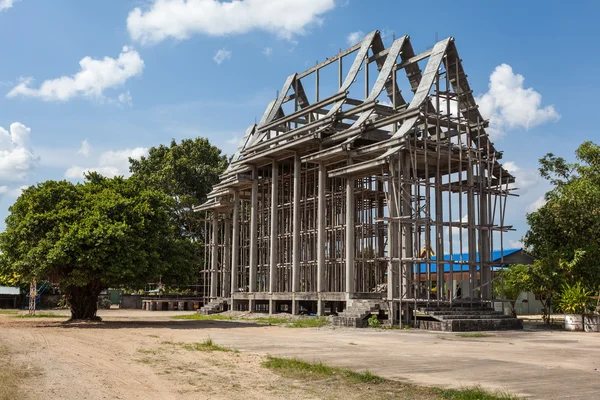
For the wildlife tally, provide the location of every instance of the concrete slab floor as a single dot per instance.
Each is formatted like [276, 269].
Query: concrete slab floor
[541, 365]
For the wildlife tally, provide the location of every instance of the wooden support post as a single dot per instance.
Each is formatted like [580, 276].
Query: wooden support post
[392, 269]
[253, 232]
[439, 236]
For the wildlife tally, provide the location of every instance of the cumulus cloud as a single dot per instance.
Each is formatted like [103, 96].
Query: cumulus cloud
[221, 56]
[355, 37]
[6, 4]
[17, 160]
[539, 202]
[524, 178]
[125, 99]
[94, 77]
[110, 164]
[508, 105]
[180, 19]
[85, 148]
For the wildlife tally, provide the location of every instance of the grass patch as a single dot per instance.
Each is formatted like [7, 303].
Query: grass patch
[312, 322]
[474, 393]
[299, 369]
[207, 345]
[474, 335]
[41, 315]
[5, 312]
[296, 369]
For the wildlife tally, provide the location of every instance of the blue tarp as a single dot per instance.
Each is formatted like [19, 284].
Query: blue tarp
[464, 257]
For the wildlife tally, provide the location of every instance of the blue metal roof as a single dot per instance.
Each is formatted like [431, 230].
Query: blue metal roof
[464, 257]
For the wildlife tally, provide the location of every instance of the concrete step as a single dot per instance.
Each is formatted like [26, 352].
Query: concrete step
[470, 325]
[441, 313]
[460, 316]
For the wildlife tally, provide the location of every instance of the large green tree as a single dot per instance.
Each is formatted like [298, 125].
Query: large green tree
[91, 236]
[565, 231]
[186, 171]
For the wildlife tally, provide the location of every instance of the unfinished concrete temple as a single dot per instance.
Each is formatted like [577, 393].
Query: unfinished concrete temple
[368, 184]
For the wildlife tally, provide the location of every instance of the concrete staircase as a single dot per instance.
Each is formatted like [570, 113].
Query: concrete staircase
[463, 318]
[357, 313]
[215, 306]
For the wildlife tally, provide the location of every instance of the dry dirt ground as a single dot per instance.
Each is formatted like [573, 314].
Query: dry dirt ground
[139, 355]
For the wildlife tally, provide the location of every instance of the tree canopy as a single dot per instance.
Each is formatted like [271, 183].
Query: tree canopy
[94, 235]
[186, 171]
[564, 234]
[567, 227]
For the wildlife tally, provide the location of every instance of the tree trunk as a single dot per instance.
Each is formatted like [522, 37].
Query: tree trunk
[83, 301]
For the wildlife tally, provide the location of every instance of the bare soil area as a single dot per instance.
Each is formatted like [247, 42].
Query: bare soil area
[140, 355]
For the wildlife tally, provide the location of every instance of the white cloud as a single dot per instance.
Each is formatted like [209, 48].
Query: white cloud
[515, 244]
[85, 148]
[6, 4]
[267, 51]
[110, 164]
[17, 160]
[355, 37]
[94, 77]
[125, 99]
[524, 178]
[508, 105]
[16, 192]
[539, 202]
[180, 19]
[221, 56]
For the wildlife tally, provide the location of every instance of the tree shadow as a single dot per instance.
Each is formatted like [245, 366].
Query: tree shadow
[175, 324]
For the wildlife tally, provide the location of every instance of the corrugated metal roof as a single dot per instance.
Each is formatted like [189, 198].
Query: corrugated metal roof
[8, 290]
[464, 257]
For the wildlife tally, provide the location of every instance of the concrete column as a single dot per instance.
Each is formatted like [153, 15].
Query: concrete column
[253, 232]
[484, 239]
[274, 230]
[392, 271]
[350, 245]
[214, 256]
[406, 228]
[439, 237]
[296, 228]
[227, 258]
[472, 245]
[321, 234]
[235, 243]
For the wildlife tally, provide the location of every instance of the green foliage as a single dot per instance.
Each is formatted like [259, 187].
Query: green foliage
[300, 369]
[104, 304]
[565, 232]
[574, 299]
[474, 393]
[87, 237]
[374, 321]
[186, 172]
[310, 322]
[207, 345]
[509, 285]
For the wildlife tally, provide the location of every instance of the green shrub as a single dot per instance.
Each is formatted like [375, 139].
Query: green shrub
[574, 299]
[374, 321]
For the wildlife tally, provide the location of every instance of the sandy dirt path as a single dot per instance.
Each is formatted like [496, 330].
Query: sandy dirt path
[128, 356]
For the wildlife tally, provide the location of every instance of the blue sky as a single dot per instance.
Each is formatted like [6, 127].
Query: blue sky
[153, 74]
